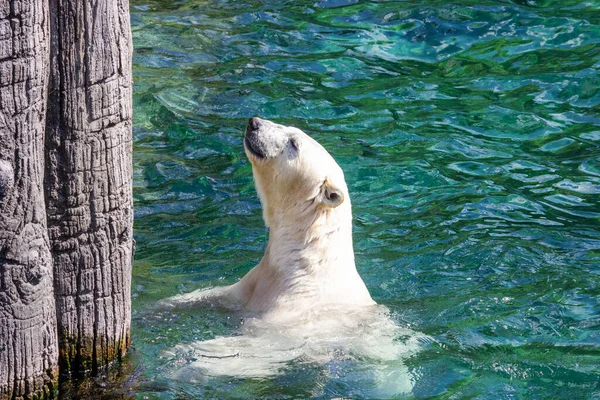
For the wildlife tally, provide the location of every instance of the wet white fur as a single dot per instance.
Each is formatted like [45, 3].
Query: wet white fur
[308, 301]
[309, 259]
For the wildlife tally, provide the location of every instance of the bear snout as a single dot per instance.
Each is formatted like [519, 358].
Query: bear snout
[252, 141]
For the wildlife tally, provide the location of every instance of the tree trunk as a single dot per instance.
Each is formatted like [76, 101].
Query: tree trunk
[28, 343]
[89, 179]
[66, 251]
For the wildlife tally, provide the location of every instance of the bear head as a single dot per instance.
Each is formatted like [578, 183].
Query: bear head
[295, 176]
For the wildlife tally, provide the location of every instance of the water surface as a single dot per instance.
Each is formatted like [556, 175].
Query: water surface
[469, 133]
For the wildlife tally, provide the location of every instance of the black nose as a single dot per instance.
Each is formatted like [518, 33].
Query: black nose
[254, 123]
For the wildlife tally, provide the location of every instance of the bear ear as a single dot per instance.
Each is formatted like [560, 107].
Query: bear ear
[331, 195]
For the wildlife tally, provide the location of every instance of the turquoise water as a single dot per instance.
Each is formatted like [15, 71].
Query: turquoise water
[469, 133]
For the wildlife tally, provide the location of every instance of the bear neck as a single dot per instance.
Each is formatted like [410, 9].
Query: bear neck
[320, 246]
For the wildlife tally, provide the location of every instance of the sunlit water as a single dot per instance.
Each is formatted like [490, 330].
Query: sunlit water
[470, 139]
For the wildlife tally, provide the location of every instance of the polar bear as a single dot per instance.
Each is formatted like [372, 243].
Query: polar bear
[304, 302]
[309, 259]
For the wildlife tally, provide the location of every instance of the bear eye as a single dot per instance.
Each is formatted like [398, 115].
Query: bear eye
[294, 144]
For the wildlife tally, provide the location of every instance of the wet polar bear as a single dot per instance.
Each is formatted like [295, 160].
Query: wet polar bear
[306, 298]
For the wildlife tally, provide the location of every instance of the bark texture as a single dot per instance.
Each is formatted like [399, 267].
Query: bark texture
[89, 179]
[28, 343]
[66, 212]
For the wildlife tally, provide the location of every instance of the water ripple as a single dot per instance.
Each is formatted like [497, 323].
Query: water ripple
[469, 136]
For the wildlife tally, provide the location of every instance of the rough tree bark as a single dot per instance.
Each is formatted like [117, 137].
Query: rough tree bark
[66, 212]
[28, 343]
[89, 179]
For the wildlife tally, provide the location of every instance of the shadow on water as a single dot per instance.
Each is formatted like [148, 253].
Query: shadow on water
[117, 381]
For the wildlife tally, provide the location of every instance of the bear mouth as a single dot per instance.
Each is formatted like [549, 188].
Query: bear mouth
[253, 149]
